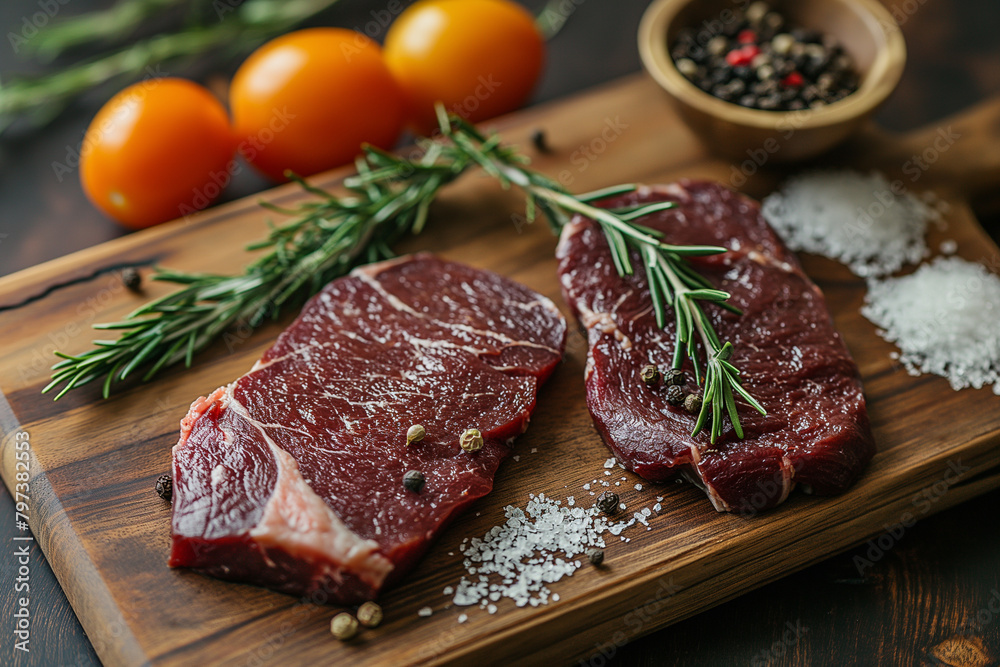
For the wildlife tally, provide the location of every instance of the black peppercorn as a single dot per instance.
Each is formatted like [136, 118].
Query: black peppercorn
[131, 279]
[723, 93]
[755, 48]
[164, 487]
[596, 557]
[744, 74]
[806, 36]
[413, 480]
[540, 141]
[674, 376]
[675, 395]
[607, 502]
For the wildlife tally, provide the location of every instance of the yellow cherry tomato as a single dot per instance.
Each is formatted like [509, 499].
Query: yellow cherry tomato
[480, 58]
[156, 151]
[307, 101]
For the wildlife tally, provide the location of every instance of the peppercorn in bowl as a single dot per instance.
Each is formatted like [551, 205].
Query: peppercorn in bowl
[773, 81]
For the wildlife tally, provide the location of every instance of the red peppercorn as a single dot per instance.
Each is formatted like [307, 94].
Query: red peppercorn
[742, 56]
[793, 80]
[746, 37]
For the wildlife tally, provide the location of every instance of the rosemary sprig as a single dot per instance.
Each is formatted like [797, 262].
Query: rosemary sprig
[673, 282]
[389, 196]
[325, 239]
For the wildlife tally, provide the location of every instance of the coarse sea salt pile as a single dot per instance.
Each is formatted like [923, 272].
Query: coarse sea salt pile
[851, 217]
[943, 318]
[535, 547]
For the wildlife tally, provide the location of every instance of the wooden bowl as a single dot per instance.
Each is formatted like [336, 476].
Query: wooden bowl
[865, 29]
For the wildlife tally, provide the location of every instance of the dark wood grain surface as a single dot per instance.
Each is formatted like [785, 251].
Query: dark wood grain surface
[932, 597]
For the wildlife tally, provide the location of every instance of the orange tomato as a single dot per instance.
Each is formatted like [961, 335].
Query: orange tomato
[157, 150]
[481, 58]
[306, 101]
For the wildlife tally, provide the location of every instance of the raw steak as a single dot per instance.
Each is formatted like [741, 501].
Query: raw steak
[816, 432]
[291, 476]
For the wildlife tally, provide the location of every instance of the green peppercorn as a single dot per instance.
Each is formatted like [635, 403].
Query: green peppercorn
[344, 626]
[471, 440]
[692, 403]
[369, 615]
[650, 375]
[414, 434]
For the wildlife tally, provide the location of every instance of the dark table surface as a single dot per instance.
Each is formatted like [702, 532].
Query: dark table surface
[934, 598]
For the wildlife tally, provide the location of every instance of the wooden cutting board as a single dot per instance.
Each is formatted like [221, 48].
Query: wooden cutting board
[93, 463]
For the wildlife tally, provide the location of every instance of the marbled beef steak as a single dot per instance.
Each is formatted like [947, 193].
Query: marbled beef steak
[291, 476]
[816, 432]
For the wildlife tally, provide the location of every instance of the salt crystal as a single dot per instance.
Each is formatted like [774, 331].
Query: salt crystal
[948, 247]
[534, 449]
[610, 463]
[943, 320]
[638, 487]
[517, 457]
[425, 611]
[851, 217]
[533, 548]
[586, 487]
[462, 618]
[448, 590]
[607, 472]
